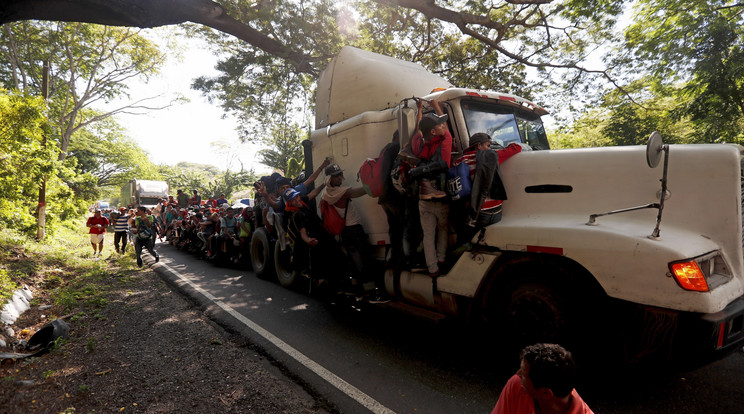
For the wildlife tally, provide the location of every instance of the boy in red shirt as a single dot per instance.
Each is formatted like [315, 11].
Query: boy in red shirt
[544, 384]
[97, 225]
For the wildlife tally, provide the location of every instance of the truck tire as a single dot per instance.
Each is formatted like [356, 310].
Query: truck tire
[261, 253]
[523, 308]
[287, 276]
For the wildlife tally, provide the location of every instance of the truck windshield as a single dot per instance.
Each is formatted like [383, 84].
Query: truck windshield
[149, 201]
[504, 124]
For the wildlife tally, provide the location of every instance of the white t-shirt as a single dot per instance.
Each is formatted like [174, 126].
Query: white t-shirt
[352, 214]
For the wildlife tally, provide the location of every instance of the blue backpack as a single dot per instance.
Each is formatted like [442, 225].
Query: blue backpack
[458, 181]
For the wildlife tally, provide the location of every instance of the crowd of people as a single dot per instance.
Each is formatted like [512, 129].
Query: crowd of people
[211, 228]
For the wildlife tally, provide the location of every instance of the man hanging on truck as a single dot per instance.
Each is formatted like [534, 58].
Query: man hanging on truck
[480, 209]
[315, 251]
[353, 237]
[284, 183]
[432, 144]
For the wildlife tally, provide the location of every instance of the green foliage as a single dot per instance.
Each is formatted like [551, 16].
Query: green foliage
[206, 179]
[294, 168]
[26, 158]
[106, 153]
[7, 286]
[703, 67]
[285, 144]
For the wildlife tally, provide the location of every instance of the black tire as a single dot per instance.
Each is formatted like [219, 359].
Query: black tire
[285, 273]
[261, 253]
[524, 308]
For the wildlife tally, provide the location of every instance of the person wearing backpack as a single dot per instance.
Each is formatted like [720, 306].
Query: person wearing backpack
[353, 236]
[393, 202]
[144, 234]
[432, 145]
[315, 252]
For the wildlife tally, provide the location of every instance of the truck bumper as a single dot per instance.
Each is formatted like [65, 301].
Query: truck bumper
[655, 335]
[725, 328]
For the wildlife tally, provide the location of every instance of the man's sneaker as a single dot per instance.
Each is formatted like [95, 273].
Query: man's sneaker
[139, 261]
[427, 191]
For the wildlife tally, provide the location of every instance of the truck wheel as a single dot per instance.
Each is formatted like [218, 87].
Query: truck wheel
[528, 311]
[288, 277]
[261, 253]
[535, 312]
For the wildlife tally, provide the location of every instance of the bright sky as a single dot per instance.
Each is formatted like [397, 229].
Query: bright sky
[184, 131]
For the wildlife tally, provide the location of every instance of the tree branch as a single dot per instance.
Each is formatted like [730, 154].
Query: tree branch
[149, 13]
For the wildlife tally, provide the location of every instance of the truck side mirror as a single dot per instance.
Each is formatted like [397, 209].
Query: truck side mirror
[654, 149]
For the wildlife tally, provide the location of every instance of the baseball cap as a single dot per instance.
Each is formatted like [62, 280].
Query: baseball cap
[430, 120]
[289, 194]
[479, 138]
[333, 169]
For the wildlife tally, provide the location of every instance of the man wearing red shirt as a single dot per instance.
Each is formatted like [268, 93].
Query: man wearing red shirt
[432, 144]
[97, 225]
[544, 384]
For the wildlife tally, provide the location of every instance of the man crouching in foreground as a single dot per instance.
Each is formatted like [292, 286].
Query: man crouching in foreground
[544, 384]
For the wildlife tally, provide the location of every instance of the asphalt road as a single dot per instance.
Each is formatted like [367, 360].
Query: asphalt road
[368, 359]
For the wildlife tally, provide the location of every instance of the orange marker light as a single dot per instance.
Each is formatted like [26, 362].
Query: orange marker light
[689, 276]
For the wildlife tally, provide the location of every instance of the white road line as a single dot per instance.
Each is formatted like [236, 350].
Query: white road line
[343, 386]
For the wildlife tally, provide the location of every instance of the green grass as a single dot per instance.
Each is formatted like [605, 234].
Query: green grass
[63, 268]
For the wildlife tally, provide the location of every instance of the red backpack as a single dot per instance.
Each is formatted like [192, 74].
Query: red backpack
[372, 176]
[332, 221]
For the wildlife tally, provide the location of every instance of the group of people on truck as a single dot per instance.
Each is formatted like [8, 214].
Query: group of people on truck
[426, 207]
[421, 214]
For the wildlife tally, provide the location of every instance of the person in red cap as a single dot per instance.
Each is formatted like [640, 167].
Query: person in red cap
[97, 225]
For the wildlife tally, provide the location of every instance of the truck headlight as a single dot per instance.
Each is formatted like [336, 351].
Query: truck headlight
[702, 273]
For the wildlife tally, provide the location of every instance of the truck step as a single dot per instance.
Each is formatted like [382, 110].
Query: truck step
[413, 311]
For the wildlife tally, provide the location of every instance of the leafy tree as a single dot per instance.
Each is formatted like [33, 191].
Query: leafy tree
[286, 145]
[702, 67]
[86, 64]
[206, 179]
[110, 156]
[24, 161]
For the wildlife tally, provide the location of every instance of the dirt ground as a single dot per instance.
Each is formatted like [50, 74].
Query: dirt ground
[147, 350]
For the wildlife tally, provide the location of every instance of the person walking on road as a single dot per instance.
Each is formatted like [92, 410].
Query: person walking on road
[97, 225]
[144, 234]
[121, 230]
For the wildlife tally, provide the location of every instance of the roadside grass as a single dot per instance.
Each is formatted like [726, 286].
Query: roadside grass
[62, 270]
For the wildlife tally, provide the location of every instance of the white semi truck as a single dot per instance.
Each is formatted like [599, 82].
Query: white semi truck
[143, 193]
[587, 248]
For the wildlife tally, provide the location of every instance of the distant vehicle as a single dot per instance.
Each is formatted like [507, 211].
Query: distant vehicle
[102, 205]
[143, 192]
